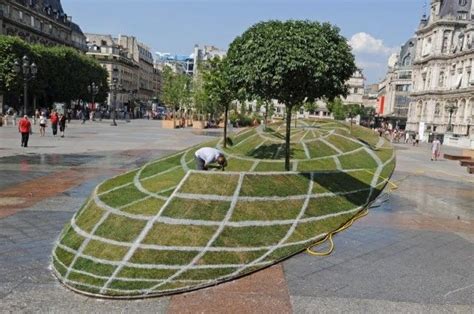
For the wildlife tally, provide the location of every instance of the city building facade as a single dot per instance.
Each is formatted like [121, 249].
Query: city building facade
[443, 80]
[396, 88]
[356, 87]
[40, 22]
[130, 67]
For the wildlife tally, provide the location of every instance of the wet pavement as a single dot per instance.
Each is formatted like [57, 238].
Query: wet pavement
[413, 253]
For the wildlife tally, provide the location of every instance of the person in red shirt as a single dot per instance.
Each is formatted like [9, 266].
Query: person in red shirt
[24, 127]
[54, 122]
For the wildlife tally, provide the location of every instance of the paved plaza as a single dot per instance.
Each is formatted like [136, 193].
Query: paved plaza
[414, 252]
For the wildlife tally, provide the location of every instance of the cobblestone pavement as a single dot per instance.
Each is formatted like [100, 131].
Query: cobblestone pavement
[413, 253]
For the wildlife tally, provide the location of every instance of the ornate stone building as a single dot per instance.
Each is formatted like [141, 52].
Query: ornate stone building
[443, 79]
[40, 21]
[130, 62]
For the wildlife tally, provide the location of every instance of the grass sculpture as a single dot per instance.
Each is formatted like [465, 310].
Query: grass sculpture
[165, 228]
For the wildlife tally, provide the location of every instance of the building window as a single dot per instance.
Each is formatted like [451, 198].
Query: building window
[404, 75]
[437, 110]
[406, 60]
[441, 79]
[462, 15]
[462, 3]
[444, 47]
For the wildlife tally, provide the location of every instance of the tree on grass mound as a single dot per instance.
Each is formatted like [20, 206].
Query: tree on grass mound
[218, 88]
[292, 62]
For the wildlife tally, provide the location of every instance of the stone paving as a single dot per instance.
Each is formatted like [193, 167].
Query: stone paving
[413, 253]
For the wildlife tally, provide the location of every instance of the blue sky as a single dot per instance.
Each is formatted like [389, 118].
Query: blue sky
[375, 28]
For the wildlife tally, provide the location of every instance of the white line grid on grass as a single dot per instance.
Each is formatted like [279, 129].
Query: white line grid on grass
[215, 249]
[374, 181]
[331, 145]
[306, 150]
[130, 183]
[211, 249]
[143, 234]
[338, 163]
[245, 140]
[218, 232]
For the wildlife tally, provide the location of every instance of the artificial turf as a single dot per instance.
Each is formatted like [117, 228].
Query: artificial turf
[160, 238]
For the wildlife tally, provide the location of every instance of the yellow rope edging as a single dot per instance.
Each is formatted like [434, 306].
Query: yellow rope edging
[310, 250]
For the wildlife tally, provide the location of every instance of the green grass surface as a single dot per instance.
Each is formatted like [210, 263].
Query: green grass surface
[122, 196]
[214, 184]
[187, 223]
[267, 210]
[197, 209]
[319, 149]
[270, 185]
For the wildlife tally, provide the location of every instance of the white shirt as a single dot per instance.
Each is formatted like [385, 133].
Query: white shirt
[208, 154]
[42, 120]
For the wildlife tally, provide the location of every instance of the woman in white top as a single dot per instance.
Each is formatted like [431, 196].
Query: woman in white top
[43, 122]
[435, 149]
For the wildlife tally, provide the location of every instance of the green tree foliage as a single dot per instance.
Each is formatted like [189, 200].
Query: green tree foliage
[336, 107]
[353, 110]
[63, 73]
[218, 87]
[292, 62]
[175, 91]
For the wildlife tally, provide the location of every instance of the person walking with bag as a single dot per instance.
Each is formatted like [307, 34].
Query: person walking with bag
[62, 124]
[24, 127]
[54, 122]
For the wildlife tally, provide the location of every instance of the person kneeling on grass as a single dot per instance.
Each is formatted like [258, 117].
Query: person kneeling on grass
[207, 155]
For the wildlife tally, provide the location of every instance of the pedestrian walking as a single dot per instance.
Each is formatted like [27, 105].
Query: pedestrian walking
[417, 139]
[435, 149]
[43, 121]
[24, 127]
[83, 115]
[14, 116]
[54, 122]
[407, 137]
[62, 124]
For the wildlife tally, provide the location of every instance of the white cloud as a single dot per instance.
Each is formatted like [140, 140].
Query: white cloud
[366, 43]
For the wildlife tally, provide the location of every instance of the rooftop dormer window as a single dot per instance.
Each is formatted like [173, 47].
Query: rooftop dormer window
[462, 3]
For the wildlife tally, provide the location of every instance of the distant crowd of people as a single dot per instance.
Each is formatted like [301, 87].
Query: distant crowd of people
[396, 135]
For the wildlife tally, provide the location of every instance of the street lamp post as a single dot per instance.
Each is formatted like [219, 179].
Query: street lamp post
[130, 102]
[29, 71]
[114, 87]
[93, 89]
[451, 108]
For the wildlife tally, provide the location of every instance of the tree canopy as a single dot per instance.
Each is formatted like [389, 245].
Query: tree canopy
[293, 62]
[175, 91]
[217, 85]
[63, 73]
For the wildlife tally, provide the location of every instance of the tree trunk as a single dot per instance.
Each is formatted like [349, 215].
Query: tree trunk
[266, 116]
[174, 117]
[225, 126]
[288, 134]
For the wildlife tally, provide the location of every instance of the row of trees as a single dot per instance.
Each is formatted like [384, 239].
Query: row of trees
[293, 62]
[63, 73]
